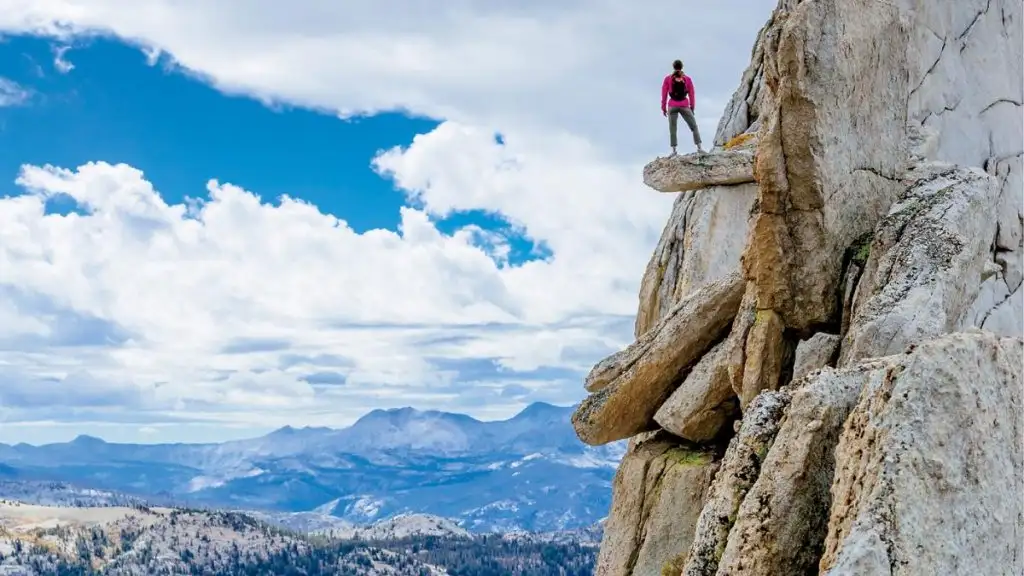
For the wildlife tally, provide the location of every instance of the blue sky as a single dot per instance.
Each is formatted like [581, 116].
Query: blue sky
[117, 106]
[243, 220]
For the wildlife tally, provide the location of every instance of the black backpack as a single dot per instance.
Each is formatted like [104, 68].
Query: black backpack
[678, 90]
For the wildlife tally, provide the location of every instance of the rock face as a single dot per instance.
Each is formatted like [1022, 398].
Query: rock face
[740, 468]
[780, 526]
[701, 243]
[930, 465]
[814, 353]
[926, 261]
[845, 319]
[659, 490]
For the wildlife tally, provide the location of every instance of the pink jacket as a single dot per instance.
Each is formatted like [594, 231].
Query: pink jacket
[688, 102]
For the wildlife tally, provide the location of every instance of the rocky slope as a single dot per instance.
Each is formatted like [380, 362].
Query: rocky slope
[826, 377]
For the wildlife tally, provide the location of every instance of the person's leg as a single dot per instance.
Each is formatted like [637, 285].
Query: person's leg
[692, 123]
[673, 123]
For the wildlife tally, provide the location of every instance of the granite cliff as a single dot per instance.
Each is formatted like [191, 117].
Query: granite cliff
[827, 371]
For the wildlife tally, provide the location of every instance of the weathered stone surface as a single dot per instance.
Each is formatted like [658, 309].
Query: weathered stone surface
[969, 87]
[704, 402]
[695, 171]
[926, 262]
[744, 108]
[766, 353]
[657, 494]
[929, 465]
[740, 468]
[701, 243]
[735, 344]
[814, 353]
[632, 384]
[781, 524]
[825, 165]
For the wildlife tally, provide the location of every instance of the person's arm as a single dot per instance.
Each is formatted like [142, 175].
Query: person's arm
[693, 97]
[664, 93]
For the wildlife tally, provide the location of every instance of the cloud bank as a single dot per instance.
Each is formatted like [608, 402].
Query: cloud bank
[236, 310]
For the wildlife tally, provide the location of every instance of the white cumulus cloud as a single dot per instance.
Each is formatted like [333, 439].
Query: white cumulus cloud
[239, 310]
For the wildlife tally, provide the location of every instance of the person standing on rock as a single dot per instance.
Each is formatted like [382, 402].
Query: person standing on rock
[677, 89]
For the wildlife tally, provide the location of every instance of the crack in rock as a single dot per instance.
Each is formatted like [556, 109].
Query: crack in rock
[1000, 101]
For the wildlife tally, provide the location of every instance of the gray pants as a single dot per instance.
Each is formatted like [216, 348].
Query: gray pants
[673, 122]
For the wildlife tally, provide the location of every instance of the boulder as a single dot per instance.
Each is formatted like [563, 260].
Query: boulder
[704, 402]
[929, 468]
[814, 353]
[631, 385]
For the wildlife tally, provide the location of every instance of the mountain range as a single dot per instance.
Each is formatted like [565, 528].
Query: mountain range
[529, 472]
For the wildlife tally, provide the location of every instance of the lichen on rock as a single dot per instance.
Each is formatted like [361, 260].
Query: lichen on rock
[658, 492]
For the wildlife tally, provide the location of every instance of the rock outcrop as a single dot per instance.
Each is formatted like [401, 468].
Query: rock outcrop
[698, 171]
[930, 464]
[630, 386]
[833, 316]
[659, 490]
[926, 261]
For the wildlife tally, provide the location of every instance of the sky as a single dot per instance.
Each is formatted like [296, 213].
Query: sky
[219, 218]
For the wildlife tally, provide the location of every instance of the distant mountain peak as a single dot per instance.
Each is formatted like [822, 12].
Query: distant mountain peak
[291, 430]
[87, 439]
[542, 409]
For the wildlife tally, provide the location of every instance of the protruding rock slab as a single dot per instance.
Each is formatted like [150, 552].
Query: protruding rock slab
[780, 527]
[740, 468]
[814, 353]
[632, 384]
[700, 170]
[657, 494]
[926, 262]
[929, 465]
[704, 402]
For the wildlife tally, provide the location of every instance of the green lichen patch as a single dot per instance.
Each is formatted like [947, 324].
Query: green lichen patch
[674, 566]
[681, 456]
[861, 249]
